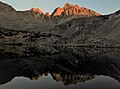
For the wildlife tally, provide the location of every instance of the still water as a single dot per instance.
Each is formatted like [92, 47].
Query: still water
[59, 68]
[47, 82]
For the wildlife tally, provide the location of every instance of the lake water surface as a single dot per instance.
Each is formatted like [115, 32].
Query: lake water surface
[47, 82]
[59, 68]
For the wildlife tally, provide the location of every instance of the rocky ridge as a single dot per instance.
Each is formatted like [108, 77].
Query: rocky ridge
[33, 19]
[66, 29]
[70, 9]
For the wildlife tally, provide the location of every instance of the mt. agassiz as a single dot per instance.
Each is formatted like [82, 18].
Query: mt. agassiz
[68, 26]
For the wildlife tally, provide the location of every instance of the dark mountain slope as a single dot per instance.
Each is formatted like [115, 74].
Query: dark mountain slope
[33, 19]
[21, 20]
[72, 29]
[104, 29]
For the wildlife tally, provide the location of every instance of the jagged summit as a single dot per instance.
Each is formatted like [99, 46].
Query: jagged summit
[47, 14]
[36, 10]
[57, 12]
[68, 6]
[70, 9]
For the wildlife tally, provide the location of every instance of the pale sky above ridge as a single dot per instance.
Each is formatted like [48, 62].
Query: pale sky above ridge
[100, 6]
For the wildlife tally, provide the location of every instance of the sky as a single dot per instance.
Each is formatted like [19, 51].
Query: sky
[101, 6]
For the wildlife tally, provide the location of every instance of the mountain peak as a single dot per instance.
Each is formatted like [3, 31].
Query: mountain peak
[57, 12]
[68, 5]
[70, 9]
[36, 10]
[47, 14]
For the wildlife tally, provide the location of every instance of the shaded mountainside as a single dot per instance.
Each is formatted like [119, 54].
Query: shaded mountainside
[72, 26]
[22, 20]
[102, 30]
[21, 37]
[33, 19]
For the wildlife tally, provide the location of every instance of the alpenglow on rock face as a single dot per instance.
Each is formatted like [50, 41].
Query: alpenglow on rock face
[36, 10]
[70, 9]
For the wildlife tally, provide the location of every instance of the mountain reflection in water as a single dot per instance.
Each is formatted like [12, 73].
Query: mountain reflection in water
[59, 67]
